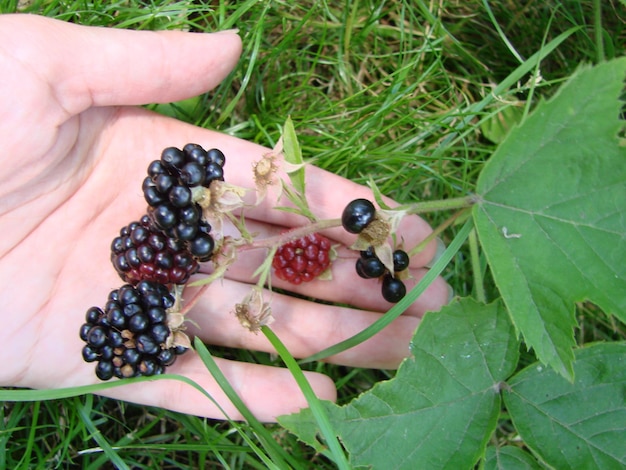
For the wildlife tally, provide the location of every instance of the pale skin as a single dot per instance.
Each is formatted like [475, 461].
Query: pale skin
[75, 150]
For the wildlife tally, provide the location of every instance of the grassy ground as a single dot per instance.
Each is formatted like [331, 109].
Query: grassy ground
[399, 92]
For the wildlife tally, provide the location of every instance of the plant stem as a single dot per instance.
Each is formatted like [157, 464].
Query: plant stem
[293, 234]
[479, 284]
[441, 205]
[597, 26]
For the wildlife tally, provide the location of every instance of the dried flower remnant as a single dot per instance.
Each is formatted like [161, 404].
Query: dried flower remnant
[220, 200]
[253, 312]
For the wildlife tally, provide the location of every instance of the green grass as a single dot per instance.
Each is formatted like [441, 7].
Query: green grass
[388, 91]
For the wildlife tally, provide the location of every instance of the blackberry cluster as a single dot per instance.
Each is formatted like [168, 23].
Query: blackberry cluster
[128, 338]
[169, 191]
[369, 266]
[131, 336]
[141, 251]
[302, 260]
[355, 218]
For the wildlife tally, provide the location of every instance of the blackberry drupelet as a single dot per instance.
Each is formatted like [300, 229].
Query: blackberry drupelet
[128, 338]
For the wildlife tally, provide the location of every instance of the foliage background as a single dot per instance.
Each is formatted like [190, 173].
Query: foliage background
[377, 89]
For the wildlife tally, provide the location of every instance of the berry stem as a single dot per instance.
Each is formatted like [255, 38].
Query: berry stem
[293, 234]
[441, 205]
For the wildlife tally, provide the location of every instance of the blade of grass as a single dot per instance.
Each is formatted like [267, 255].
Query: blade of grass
[338, 455]
[474, 109]
[501, 33]
[25, 461]
[401, 306]
[277, 453]
[85, 414]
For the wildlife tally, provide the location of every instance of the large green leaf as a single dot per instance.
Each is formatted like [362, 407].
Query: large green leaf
[574, 425]
[552, 212]
[442, 406]
[509, 458]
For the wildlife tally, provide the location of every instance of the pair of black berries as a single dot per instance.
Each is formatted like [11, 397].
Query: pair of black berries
[130, 336]
[356, 216]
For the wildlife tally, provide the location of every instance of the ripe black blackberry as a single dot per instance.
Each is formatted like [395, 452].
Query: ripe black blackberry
[130, 337]
[169, 191]
[141, 252]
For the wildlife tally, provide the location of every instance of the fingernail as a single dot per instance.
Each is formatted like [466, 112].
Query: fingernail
[441, 247]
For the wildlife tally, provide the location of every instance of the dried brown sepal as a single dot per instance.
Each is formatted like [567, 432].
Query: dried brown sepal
[178, 338]
[219, 200]
[375, 234]
[384, 253]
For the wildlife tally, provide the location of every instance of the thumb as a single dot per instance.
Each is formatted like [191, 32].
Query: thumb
[93, 66]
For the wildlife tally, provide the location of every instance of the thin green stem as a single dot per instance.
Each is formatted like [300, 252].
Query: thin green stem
[293, 234]
[479, 285]
[441, 205]
[597, 26]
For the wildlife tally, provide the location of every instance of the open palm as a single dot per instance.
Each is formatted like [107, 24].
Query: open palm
[76, 148]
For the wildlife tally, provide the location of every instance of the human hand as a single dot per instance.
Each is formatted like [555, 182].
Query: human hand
[76, 149]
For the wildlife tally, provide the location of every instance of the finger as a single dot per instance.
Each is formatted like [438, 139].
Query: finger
[304, 327]
[267, 391]
[120, 67]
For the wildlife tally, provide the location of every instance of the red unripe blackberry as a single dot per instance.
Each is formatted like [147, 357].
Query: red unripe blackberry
[129, 337]
[141, 252]
[302, 260]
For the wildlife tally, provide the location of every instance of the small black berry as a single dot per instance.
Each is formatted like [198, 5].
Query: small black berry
[180, 196]
[90, 354]
[202, 247]
[357, 215]
[173, 158]
[193, 174]
[138, 323]
[370, 268]
[104, 370]
[164, 216]
[400, 260]
[96, 337]
[393, 289]
[216, 156]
